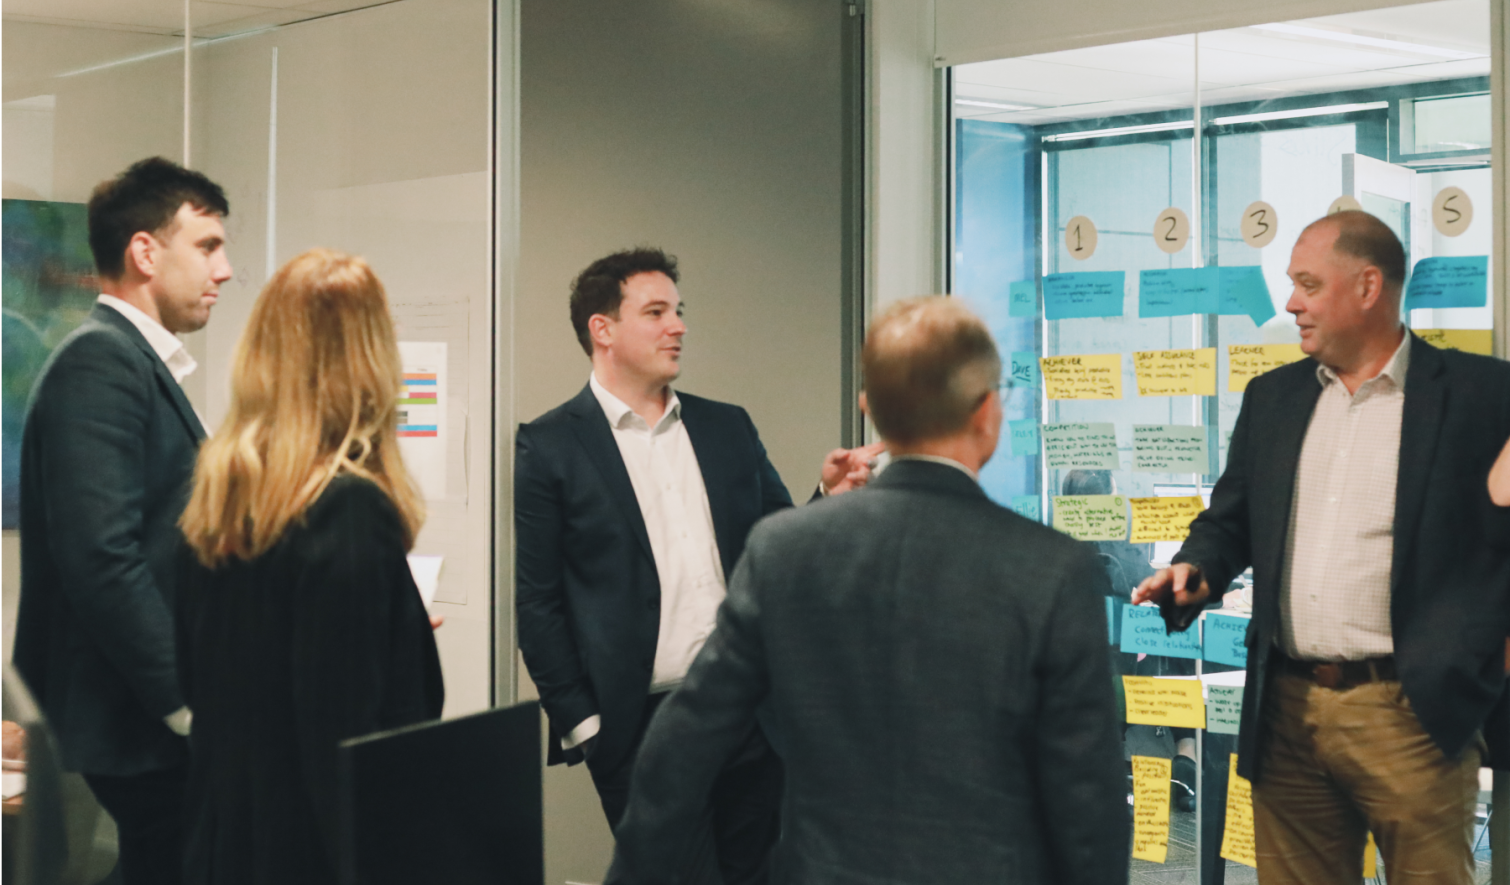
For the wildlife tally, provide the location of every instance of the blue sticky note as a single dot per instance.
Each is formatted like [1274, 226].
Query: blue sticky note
[1028, 506]
[1225, 640]
[1024, 438]
[1024, 368]
[1178, 291]
[1143, 633]
[1114, 608]
[1461, 281]
[1022, 299]
[1068, 296]
[1244, 291]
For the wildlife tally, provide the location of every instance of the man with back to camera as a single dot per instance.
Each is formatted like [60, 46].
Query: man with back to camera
[1355, 487]
[632, 504]
[936, 664]
[106, 457]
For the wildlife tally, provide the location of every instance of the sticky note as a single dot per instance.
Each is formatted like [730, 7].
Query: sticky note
[1176, 372]
[1152, 700]
[1458, 281]
[1143, 633]
[1091, 517]
[1170, 448]
[1114, 606]
[1224, 639]
[1024, 437]
[1028, 506]
[1022, 299]
[1151, 777]
[1370, 858]
[1247, 361]
[1024, 368]
[1091, 446]
[1163, 519]
[1069, 296]
[1178, 291]
[1244, 291]
[1237, 837]
[1466, 340]
[1087, 376]
[1224, 708]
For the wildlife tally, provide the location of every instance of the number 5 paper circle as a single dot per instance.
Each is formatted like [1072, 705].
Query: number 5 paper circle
[1171, 230]
[1260, 224]
[1451, 211]
[1080, 237]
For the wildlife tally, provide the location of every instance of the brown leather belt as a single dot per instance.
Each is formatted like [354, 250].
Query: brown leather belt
[1341, 674]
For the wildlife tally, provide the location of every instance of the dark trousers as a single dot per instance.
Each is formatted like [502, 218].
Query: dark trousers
[742, 821]
[148, 813]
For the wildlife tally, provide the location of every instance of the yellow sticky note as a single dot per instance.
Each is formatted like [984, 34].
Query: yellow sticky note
[1088, 376]
[1247, 361]
[1151, 808]
[1176, 372]
[1176, 703]
[1466, 340]
[1237, 837]
[1091, 517]
[1370, 859]
[1163, 519]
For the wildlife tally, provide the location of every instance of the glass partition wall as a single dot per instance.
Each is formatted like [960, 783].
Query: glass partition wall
[1123, 217]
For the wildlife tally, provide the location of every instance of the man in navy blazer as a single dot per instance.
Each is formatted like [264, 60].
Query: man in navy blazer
[106, 457]
[632, 505]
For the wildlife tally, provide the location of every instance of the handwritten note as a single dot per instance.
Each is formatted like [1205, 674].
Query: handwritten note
[1244, 291]
[1163, 519]
[1114, 606]
[1225, 639]
[1087, 376]
[1466, 340]
[1028, 506]
[1176, 372]
[1370, 858]
[1024, 437]
[1173, 702]
[1178, 291]
[1151, 777]
[1237, 837]
[1224, 708]
[1091, 517]
[1085, 294]
[1081, 446]
[1143, 633]
[1024, 368]
[1170, 448]
[1456, 281]
[1022, 299]
[1247, 361]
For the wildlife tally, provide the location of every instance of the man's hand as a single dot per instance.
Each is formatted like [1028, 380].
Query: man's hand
[1175, 580]
[845, 470]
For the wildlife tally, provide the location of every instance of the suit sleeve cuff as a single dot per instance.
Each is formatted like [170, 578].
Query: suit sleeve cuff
[585, 729]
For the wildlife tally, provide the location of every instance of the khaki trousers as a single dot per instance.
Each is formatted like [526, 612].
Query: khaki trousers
[1341, 763]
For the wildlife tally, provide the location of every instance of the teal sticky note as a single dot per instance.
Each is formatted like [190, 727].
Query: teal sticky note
[1224, 708]
[1027, 506]
[1244, 291]
[1024, 438]
[1081, 446]
[1225, 638]
[1024, 368]
[1170, 448]
[1022, 299]
[1114, 608]
[1178, 291]
[1083, 294]
[1461, 281]
[1143, 632]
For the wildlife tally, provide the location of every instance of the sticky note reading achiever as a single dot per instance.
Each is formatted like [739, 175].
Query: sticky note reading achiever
[1151, 807]
[1091, 446]
[1225, 639]
[1247, 361]
[1163, 519]
[1237, 838]
[1467, 340]
[1176, 372]
[1091, 517]
[1170, 448]
[1087, 376]
[1152, 700]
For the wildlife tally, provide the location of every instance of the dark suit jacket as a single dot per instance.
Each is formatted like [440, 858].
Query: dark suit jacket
[937, 666]
[106, 458]
[587, 592]
[1451, 568]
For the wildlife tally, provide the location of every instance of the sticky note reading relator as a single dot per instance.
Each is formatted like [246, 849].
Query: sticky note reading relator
[1176, 372]
[1152, 700]
[1224, 640]
[1024, 368]
[1024, 437]
[1087, 376]
[1170, 448]
[1151, 777]
[1449, 281]
[1091, 446]
[1028, 506]
[1237, 838]
[1143, 633]
[1163, 519]
[1022, 299]
[1178, 291]
[1224, 708]
[1068, 296]
[1467, 340]
[1091, 517]
[1247, 361]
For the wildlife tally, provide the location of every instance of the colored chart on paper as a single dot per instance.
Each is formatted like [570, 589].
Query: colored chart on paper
[1163, 519]
[1085, 376]
[422, 415]
[1479, 341]
[1176, 372]
[1237, 837]
[1170, 448]
[1175, 703]
[1151, 776]
[1080, 446]
[1247, 361]
[1143, 633]
[1091, 517]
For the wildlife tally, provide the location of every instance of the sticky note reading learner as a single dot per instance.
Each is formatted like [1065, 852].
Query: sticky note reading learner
[1456, 281]
[1087, 376]
[1170, 448]
[1024, 437]
[1163, 519]
[1247, 361]
[1091, 517]
[1068, 296]
[1225, 638]
[1143, 633]
[1022, 299]
[1090, 446]
[1176, 372]
[1466, 340]
[1151, 807]
[1237, 838]
[1224, 708]
[1172, 702]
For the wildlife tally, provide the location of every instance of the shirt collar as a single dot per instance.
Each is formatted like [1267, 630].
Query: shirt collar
[621, 416]
[939, 459]
[1394, 370]
[168, 347]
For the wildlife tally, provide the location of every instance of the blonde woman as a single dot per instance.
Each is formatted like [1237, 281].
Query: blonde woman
[298, 622]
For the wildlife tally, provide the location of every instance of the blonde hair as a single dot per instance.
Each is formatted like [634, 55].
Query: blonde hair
[314, 393]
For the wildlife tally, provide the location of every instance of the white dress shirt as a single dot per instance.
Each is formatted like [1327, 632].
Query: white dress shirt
[168, 347]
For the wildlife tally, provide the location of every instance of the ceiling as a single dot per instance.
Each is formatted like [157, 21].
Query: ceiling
[1384, 47]
[210, 18]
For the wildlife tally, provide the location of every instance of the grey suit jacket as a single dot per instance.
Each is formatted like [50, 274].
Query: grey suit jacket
[937, 666]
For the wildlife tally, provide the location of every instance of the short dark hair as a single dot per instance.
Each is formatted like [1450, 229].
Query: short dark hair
[1087, 482]
[928, 364]
[145, 197]
[1364, 236]
[600, 288]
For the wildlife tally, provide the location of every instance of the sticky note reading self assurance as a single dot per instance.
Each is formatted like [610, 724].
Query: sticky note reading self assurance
[1091, 517]
[1237, 838]
[1170, 448]
[1090, 446]
[1176, 372]
[1087, 376]
[1068, 296]
[1163, 519]
[1151, 807]
[1172, 702]
[1247, 361]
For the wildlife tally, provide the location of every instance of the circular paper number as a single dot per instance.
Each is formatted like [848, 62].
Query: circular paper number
[1344, 203]
[1452, 211]
[1171, 230]
[1260, 224]
[1080, 237]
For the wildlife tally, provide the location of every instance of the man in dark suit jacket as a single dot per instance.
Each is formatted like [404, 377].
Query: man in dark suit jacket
[1355, 487]
[936, 664]
[632, 504]
[106, 458]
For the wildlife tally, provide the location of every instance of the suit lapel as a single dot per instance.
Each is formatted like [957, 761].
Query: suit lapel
[1425, 401]
[169, 388]
[706, 445]
[591, 428]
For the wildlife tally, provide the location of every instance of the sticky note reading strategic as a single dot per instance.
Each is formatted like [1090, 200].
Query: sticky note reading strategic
[1028, 506]
[1025, 368]
[1225, 639]
[1151, 807]
[1224, 708]
[1163, 519]
[1091, 517]
[1087, 376]
[1024, 437]
[1176, 372]
[1090, 446]
[1068, 296]
[1152, 700]
[1237, 837]
[1143, 633]
[1170, 448]
[1178, 291]
[1467, 340]
[1247, 361]
[1456, 281]
[1022, 299]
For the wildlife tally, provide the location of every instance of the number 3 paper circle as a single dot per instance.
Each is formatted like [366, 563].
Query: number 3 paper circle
[1080, 237]
[1260, 224]
[1451, 211]
[1171, 230]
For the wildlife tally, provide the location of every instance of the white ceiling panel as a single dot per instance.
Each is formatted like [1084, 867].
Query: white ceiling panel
[211, 18]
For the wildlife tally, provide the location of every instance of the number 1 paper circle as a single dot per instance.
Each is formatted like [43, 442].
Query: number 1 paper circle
[1080, 237]
[1451, 211]
[1259, 224]
[1171, 230]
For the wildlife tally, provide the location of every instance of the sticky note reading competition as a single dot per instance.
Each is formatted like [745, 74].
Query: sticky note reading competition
[1087, 446]
[1087, 376]
[1151, 807]
[1163, 519]
[1176, 372]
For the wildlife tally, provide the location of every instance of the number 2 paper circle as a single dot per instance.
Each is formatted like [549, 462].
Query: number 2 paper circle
[1171, 230]
[1260, 224]
[1080, 237]
[1451, 211]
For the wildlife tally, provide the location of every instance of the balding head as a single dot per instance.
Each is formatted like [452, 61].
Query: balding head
[929, 364]
[1348, 270]
[1366, 238]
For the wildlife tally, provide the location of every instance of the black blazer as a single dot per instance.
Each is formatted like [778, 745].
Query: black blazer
[586, 590]
[106, 458]
[1448, 606]
[937, 668]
